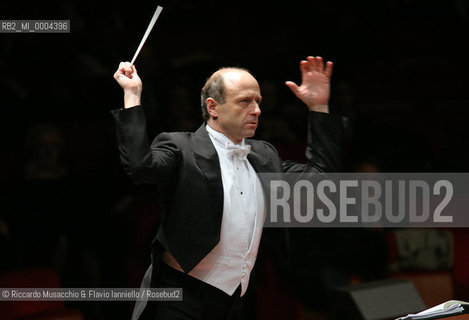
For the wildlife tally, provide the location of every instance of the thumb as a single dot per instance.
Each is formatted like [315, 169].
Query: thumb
[293, 87]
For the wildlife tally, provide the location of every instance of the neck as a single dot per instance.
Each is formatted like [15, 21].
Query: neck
[215, 126]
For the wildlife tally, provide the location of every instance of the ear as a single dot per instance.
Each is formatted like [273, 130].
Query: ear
[212, 107]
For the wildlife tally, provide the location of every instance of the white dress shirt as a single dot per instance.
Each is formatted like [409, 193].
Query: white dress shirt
[231, 261]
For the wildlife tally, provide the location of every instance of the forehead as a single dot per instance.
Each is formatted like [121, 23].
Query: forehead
[238, 82]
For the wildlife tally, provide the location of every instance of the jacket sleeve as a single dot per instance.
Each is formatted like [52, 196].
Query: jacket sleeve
[323, 145]
[144, 163]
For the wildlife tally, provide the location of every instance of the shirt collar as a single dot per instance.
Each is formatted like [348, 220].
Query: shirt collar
[220, 138]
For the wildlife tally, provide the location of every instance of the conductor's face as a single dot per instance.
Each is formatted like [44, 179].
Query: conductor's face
[238, 117]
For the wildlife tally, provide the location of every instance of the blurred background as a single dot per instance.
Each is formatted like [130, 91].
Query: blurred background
[400, 78]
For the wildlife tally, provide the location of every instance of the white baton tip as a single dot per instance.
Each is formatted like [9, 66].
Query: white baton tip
[147, 32]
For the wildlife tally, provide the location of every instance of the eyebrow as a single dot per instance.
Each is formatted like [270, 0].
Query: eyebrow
[247, 95]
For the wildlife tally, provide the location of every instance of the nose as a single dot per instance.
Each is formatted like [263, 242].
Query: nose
[257, 109]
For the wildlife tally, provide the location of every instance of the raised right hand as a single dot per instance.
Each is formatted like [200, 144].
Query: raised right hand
[127, 77]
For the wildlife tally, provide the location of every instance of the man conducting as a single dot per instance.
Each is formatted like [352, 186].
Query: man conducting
[212, 196]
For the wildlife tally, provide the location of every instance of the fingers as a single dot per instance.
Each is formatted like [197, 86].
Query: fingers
[126, 69]
[316, 64]
[117, 74]
[304, 68]
[329, 66]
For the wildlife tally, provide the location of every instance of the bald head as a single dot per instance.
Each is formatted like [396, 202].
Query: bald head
[215, 86]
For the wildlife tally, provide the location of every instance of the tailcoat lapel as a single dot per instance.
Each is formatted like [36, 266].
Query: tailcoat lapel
[261, 163]
[206, 158]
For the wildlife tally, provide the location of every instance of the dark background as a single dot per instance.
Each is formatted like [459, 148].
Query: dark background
[400, 69]
[400, 77]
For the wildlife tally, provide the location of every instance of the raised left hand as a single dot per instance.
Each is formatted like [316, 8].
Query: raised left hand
[314, 90]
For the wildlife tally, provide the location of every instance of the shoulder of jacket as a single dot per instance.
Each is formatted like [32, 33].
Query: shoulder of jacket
[174, 135]
[262, 146]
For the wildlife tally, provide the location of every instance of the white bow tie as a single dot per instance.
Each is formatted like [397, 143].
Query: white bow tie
[238, 150]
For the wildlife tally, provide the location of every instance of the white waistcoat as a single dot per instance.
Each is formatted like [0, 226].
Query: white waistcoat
[231, 261]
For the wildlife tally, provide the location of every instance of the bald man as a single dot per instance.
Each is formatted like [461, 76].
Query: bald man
[213, 201]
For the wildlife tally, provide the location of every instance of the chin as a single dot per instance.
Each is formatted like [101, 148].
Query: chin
[250, 133]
